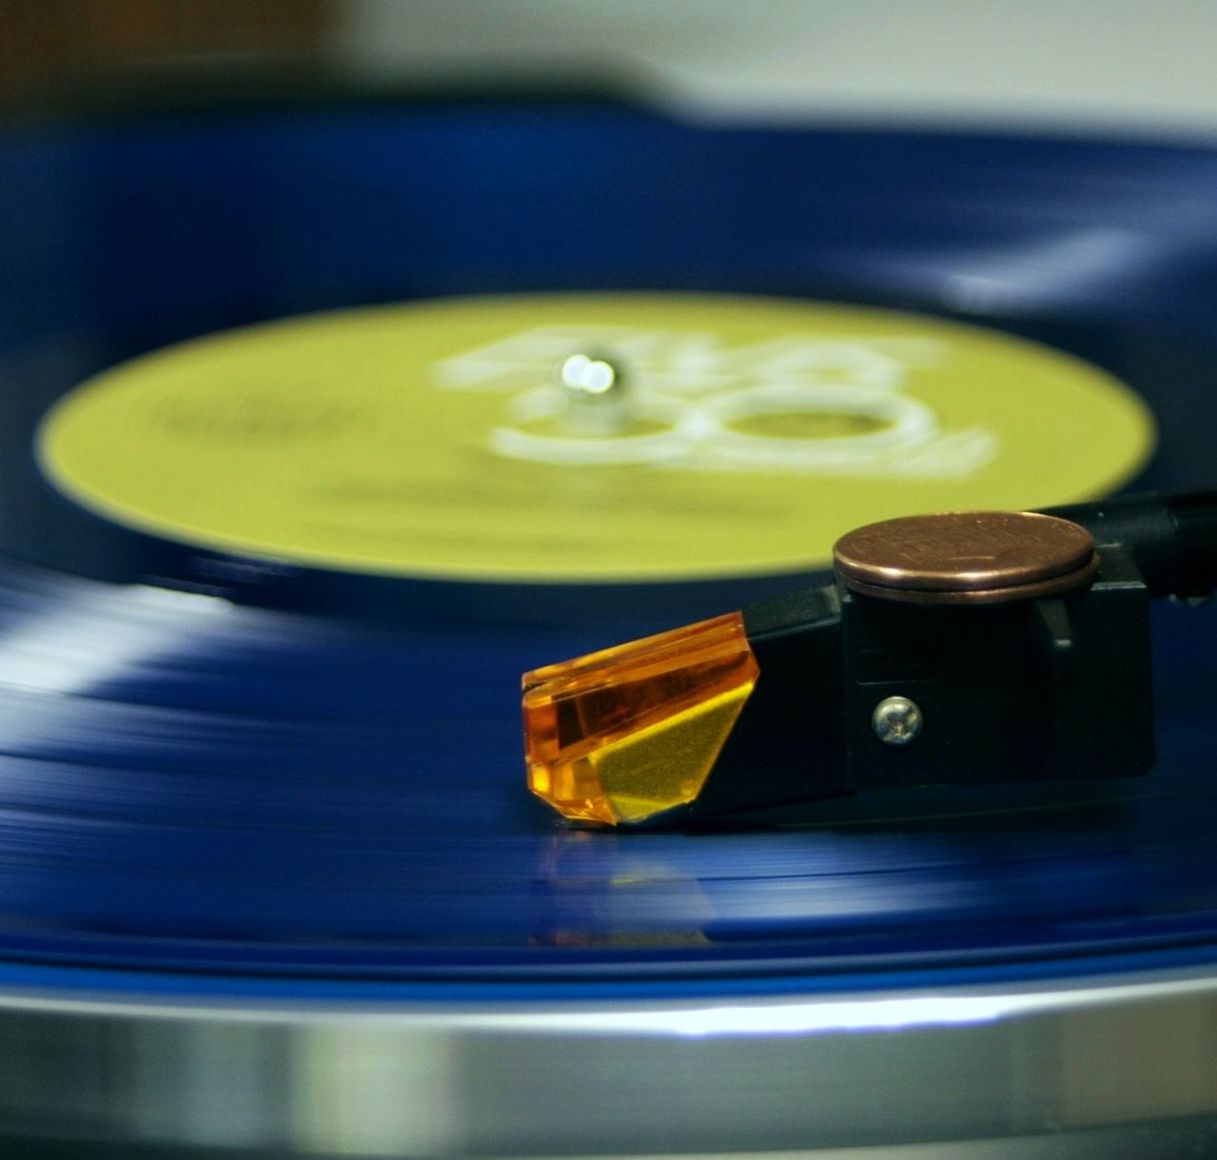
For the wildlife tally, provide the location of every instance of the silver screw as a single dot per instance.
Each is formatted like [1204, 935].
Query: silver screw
[896, 720]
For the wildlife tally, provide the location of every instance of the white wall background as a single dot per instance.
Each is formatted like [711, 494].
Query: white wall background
[1097, 63]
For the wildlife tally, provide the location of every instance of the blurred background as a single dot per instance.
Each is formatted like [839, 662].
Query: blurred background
[1091, 63]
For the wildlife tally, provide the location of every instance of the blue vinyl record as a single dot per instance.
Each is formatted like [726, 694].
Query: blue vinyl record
[222, 777]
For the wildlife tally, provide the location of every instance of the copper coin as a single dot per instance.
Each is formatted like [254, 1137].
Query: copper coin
[1001, 554]
[1053, 586]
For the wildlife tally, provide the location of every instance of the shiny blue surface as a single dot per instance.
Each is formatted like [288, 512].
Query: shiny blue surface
[190, 783]
[214, 787]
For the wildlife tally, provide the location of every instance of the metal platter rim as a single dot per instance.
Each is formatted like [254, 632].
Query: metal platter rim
[970, 1001]
[876, 1071]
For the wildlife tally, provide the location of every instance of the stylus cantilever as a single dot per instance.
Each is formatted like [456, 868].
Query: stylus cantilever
[951, 649]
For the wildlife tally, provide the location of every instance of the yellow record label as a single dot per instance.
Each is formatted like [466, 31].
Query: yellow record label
[740, 435]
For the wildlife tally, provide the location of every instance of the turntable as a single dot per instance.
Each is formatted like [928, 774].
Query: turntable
[322, 424]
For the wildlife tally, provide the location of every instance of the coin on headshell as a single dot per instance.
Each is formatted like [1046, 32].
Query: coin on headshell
[966, 557]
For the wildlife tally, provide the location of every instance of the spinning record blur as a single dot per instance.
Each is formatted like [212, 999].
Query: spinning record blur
[238, 768]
